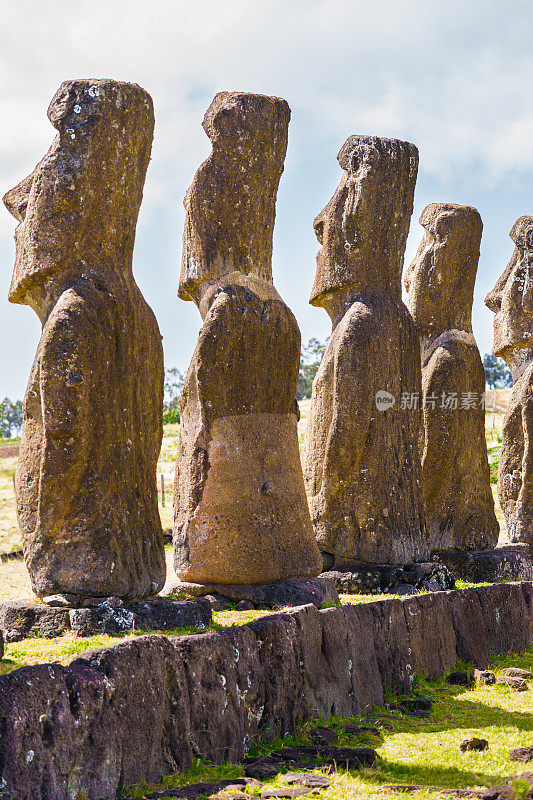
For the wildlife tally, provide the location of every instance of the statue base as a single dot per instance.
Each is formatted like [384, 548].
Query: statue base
[512, 562]
[319, 591]
[352, 577]
[20, 619]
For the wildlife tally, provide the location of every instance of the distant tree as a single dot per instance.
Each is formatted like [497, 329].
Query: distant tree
[310, 359]
[10, 418]
[174, 381]
[497, 373]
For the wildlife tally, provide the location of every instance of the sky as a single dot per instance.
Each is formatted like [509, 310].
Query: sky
[454, 78]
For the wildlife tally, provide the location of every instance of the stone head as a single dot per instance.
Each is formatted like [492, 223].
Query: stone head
[78, 209]
[512, 299]
[440, 280]
[363, 229]
[231, 204]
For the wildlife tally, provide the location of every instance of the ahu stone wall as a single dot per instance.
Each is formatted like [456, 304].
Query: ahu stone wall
[147, 706]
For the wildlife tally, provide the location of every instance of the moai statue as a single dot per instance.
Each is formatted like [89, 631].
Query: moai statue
[361, 462]
[512, 302]
[455, 469]
[86, 478]
[240, 511]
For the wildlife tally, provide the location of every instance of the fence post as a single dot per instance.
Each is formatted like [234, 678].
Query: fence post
[162, 490]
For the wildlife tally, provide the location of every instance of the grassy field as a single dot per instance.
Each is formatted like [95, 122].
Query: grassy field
[421, 752]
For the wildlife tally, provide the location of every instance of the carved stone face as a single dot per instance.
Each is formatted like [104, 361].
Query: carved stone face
[440, 280]
[231, 203]
[512, 299]
[364, 227]
[79, 207]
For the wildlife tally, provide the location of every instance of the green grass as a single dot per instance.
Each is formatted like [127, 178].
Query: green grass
[493, 451]
[9, 531]
[421, 752]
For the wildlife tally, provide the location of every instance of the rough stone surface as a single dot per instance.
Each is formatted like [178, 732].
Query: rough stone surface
[361, 464]
[512, 303]
[511, 563]
[459, 679]
[20, 619]
[516, 672]
[524, 754]
[306, 779]
[358, 730]
[147, 706]
[473, 744]
[319, 591]
[350, 578]
[311, 756]
[323, 735]
[518, 684]
[455, 469]
[240, 511]
[85, 486]
[485, 677]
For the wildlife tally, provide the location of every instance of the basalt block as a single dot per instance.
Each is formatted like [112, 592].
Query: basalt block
[357, 578]
[92, 430]
[319, 591]
[21, 619]
[502, 564]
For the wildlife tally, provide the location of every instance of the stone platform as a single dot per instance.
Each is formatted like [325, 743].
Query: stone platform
[321, 592]
[356, 578]
[512, 562]
[148, 706]
[22, 618]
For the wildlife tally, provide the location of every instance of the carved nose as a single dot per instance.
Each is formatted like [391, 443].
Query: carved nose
[318, 225]
[16, 200]
[494, 301]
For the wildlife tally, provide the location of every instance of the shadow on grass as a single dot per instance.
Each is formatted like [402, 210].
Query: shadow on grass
[445, 777]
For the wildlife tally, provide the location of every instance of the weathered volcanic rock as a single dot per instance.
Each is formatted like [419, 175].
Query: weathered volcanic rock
[240, 511]
[86, 490]
[517, 672]
[323, 735]
[361, 463]
[473, 744]
[353, 578]
[319, 591]
[518, 684]
[484, 677]
[456, 477]
[460, 679]
[512, 302]
[524, 754]
[509, 563]
[19, 619]
[157, 614]
[307, 779]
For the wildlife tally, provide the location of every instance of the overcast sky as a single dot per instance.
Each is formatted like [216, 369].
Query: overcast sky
[454, 78]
